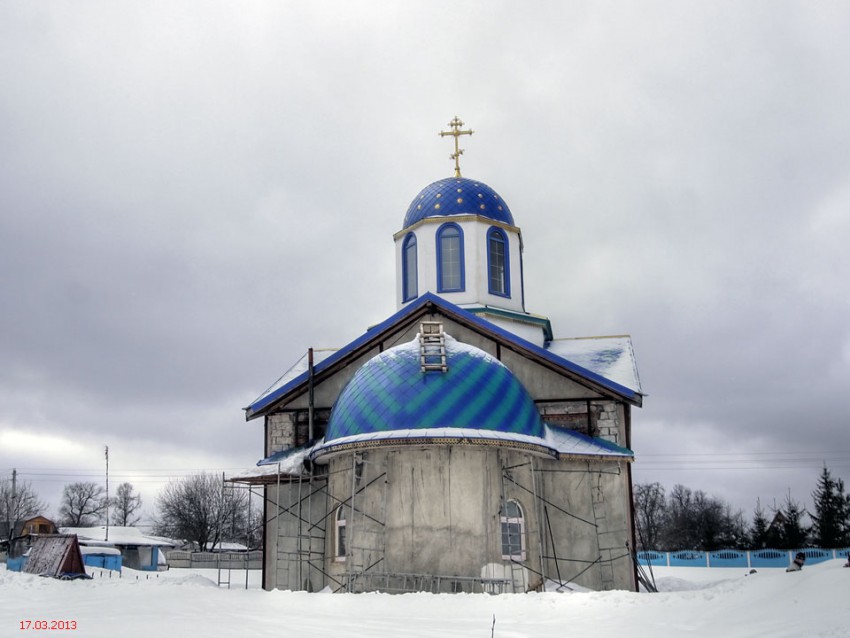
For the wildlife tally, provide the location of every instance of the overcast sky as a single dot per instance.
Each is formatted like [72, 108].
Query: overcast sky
[193, 193]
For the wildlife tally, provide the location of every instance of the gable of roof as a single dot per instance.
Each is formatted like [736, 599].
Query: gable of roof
[296, 383]
[613, 357]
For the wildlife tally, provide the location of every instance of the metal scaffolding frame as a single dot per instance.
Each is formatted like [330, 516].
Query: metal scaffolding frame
[224, 573]
[304, 509]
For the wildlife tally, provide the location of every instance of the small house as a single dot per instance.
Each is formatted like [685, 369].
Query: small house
[138, 550]
[16, 538]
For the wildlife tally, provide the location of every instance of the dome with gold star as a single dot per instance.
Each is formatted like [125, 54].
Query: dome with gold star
[458, 196]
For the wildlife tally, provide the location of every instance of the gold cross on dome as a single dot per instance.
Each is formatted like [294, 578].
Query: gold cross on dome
[455, 124]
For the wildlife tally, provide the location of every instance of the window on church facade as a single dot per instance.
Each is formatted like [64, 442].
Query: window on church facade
[339, 536]
[409, 276]
[450, 275]
[513, 532]
[497, 263]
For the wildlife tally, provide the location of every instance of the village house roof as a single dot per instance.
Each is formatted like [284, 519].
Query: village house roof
[119, 536]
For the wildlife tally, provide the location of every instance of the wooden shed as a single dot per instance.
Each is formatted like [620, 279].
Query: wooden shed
[56, 555]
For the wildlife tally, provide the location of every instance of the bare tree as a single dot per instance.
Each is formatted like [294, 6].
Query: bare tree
[698, 521]
[255, 525]
[82, 504]
[125, 505]
[650, 514]
[19, 501]
[198, 509]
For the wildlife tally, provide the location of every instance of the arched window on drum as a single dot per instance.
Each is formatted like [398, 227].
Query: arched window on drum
[450, 272]
[409, 272]
[498, 265]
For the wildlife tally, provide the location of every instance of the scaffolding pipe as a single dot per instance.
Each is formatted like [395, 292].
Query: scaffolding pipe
[299, 539]
[277, 529]
[540, 534]
[552, 540]
[349, 520]
[248, 535]
[310, 433]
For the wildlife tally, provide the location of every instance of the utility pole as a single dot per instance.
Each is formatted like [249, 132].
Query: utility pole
[106, 538]
[14, 485]
[13, 513]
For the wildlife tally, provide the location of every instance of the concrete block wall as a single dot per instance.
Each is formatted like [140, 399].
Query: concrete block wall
[568, 414]
[280, 430]
[608, 424]
[606, 418]
[290, 429]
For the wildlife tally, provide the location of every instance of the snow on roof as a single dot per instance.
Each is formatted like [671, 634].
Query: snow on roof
[226, 547]
[118, 536]
[610, 357]
[560, 442]
[286, 462]
[99, 550]
[297, 369]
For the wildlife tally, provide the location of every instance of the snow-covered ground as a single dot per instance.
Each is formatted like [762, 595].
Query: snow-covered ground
[693, 602]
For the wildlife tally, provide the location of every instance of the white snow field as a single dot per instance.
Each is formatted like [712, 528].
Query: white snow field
[694, 602]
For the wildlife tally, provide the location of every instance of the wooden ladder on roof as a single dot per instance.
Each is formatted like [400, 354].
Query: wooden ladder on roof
[432, 347]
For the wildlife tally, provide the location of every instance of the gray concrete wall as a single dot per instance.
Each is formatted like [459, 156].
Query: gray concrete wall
[294, 551]
[436, 510]
[588, 513]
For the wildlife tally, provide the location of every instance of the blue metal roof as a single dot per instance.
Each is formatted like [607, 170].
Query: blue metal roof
[450, 309]
[391, 392]
[458, 196]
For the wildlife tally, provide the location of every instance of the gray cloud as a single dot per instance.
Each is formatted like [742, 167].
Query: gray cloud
[191, 196]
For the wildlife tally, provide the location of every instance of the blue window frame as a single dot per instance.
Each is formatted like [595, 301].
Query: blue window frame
[498, 263]
[409, 273]
[450, 270]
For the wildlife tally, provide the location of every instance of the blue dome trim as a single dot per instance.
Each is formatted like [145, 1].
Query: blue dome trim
[391, 392]
[458, 196]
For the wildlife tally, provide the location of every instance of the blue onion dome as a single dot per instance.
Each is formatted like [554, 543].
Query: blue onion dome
[458, 196]
[391, 392]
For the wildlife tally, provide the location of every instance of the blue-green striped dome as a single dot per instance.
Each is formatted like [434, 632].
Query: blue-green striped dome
[391, 392]
[458, 196]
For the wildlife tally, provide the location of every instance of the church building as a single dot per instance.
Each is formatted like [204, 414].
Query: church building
[457, 446]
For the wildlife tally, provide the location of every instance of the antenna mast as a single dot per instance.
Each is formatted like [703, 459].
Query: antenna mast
[106, 451]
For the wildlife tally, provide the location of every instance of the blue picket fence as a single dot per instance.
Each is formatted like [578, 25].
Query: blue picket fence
[739, 558]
